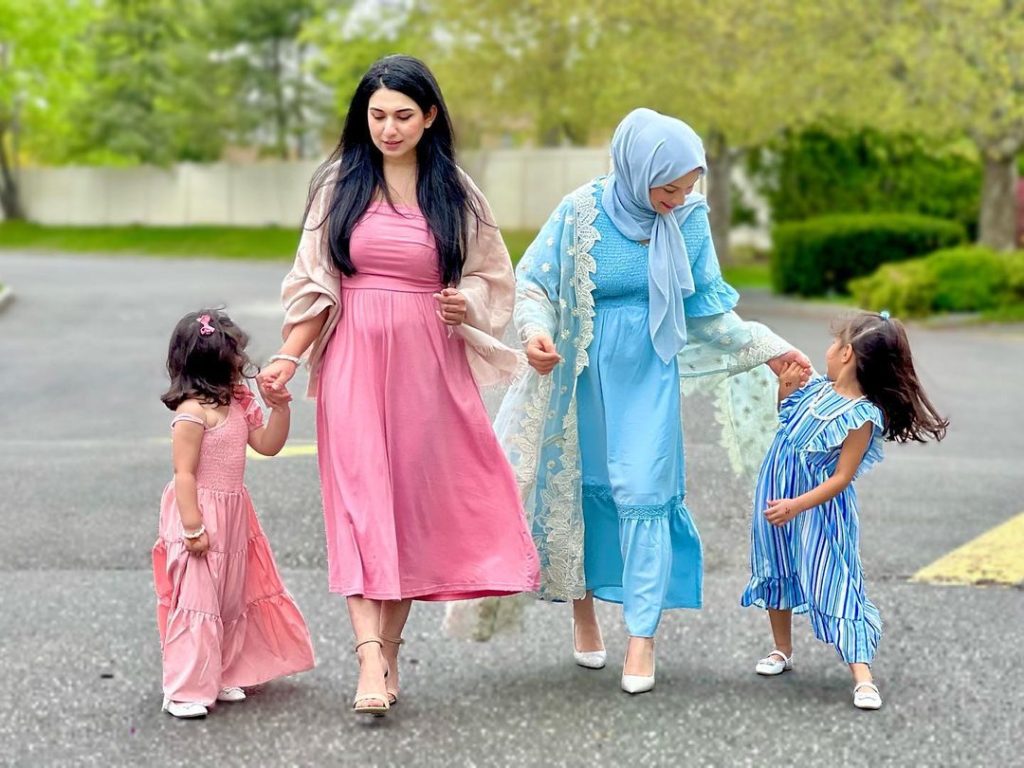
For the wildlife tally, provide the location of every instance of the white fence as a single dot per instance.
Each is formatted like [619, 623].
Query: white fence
[522, 185]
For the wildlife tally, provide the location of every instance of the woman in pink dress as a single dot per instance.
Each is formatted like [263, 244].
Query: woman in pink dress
[400, 289]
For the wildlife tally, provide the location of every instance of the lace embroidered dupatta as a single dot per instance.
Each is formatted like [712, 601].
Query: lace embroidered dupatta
[536, 423]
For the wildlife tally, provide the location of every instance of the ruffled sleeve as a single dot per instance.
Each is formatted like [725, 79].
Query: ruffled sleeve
[250, 407]
[835, 431]
[712, 295]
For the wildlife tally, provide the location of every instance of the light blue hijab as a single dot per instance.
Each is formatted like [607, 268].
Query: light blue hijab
[648, 150]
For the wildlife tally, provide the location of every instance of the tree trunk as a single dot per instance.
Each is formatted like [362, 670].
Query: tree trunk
[997, 227]
[719, 189]
[10, 195]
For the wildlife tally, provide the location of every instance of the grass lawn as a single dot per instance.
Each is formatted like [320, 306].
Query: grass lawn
[258, 243]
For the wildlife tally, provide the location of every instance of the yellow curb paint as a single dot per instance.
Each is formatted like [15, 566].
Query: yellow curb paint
[290, 450]
[995, 557]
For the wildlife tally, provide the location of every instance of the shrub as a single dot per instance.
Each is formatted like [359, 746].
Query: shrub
[821, 255]
[967, 279]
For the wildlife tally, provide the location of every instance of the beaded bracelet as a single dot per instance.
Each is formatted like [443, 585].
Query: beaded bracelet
[289, 358]
[196, 533]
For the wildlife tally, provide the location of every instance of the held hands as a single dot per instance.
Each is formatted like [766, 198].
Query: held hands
[790, 380]
[542, 355]
[781, 511]
[272, 380]
[780, 363]
[451, 306]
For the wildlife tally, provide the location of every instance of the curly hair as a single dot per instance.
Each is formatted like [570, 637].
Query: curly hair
[205, 364]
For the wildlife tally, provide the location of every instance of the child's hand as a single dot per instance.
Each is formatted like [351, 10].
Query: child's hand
[781, 511]
[276, 398]
[791, 378]
[198, 546]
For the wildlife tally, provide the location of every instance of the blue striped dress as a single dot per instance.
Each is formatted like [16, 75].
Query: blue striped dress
[812, 563]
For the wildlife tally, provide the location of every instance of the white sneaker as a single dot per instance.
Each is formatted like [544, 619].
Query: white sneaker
[184, 709]
[588, 659]
[775, 663]
[866, 696]
[231, 694]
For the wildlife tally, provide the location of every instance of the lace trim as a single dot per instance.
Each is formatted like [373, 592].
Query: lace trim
[634, 511]
[527, 438]
[563, 576]
[764, 346]
[585, 205]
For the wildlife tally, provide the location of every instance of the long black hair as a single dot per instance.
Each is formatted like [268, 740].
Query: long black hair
[206, 359]
[887, 377]
[356, 172]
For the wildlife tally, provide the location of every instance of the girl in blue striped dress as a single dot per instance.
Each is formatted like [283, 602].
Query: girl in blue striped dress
[804, 544]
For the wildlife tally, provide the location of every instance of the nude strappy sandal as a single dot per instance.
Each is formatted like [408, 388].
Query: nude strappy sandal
[380, 704]
[392, 692]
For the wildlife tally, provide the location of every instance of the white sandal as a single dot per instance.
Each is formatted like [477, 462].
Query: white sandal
[770, 666]
[867, 699]
[231, 693]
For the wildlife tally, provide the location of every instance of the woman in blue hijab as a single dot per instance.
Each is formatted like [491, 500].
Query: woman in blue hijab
[619, 300]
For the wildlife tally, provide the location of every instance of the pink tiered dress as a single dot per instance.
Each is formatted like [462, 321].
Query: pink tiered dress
[419, 499]
[225, 618]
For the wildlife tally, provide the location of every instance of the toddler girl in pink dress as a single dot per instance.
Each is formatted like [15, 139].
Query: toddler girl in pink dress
[225, 619]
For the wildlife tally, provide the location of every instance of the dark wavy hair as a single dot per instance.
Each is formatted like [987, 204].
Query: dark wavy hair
[355, 169]
[886, 374]
[206, 367]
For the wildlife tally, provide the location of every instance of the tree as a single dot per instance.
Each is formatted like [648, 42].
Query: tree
[39, 59]
[278, 105]
[154, 92]
[957, 67]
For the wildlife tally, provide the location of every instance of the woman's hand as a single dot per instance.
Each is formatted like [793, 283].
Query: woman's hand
[451, 306]
[197, 546]
[272, 379]
[542, 355]
[780, 363]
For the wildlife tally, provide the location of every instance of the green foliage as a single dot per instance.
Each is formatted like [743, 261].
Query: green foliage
[965, 279]
[823, 170]
[821, 255]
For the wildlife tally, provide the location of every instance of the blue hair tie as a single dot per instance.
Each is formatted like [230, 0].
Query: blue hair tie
[884, 314]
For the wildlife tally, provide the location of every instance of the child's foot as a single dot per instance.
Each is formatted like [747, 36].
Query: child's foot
[866, 696]
[185, 710]
[775, 663]
[233, 693]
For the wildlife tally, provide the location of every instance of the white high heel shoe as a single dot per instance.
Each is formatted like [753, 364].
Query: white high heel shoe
[638, 683]
[588, 659]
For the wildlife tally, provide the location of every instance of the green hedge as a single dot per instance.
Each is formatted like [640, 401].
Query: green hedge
[967, 279]
[827, 169]
[822, 255]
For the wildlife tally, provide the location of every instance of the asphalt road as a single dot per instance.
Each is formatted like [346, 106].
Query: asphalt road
[84, 454]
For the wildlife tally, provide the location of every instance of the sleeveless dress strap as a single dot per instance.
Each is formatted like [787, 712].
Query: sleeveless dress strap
[189, 418]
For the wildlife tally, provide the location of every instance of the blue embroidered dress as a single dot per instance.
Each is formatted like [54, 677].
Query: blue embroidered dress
[640, 539]
[812, 563]
[597, 445]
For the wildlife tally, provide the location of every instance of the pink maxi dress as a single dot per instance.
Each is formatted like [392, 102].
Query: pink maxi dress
[225, 618]
[419, 499]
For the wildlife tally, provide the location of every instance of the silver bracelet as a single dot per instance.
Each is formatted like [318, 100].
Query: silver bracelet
[195, 534]
[289, 358]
